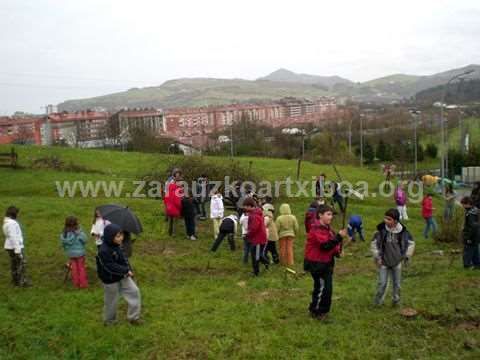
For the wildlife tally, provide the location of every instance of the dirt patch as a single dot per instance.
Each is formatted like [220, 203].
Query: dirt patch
[468, 326]
[465, 283]
[453, 321]
[55, 163]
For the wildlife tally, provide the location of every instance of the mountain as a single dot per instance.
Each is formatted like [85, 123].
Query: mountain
[284, 75]
[401, 86]
[459, 92]
[197, 92]
[192, 92]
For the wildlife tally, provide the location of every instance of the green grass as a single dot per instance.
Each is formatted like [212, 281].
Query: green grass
[193, 302]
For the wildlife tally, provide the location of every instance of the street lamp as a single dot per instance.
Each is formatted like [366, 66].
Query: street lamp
[442, 125]
[415, 113]
[361, 139]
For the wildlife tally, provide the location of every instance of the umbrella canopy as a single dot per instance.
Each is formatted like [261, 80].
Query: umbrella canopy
[122, 216]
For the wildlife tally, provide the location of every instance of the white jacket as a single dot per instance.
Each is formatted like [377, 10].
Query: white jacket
[244, 224]
[13, 235]
[216, 207]
[97, 230]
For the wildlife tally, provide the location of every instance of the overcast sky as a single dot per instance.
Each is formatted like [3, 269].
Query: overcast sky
[57, 50]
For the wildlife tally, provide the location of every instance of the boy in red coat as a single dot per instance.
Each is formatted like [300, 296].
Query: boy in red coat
[427, 213]
[320, 250]
[257, 234]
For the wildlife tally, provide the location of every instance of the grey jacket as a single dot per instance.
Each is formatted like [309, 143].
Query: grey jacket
[392, 245]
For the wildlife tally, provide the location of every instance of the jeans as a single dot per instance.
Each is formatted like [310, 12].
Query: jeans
[471, 255]
[200, 208]
[129, 291]
[429, 223]
[384, 272]
[246, 249]
[322, 291]
[353, 229]
[190, 225]
[448, 212]
[257, 252]
[219, 239]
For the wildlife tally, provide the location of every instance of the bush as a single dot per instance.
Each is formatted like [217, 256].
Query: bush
[450, 231]
[192, 167]
[431, 151]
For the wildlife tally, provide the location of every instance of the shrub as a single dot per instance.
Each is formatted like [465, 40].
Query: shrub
[450, 231]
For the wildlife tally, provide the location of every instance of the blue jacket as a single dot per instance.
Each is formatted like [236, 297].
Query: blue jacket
[355, 221]
[112, 264]
[74, 243]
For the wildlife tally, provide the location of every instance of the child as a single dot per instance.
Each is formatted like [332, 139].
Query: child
[73, 240]
[427, 213]
[355, 224]
[173, 201]
[227, 228]
[246, 243]
[257, 234]
[450, 196]
[98, 225]
[201, 196]
[471, 235]
[311, 216]
[320, 186]
[401, 201]
[320, 250]
[391, 244]
[337, 196]
[117, 277]
[216, 212]
[272, 233]
[287, 227]
[188, 213]
[14, 246]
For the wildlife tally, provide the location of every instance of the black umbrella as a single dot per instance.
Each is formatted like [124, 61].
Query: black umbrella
[122, 216]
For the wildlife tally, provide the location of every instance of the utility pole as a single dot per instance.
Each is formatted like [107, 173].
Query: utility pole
[361, 140]
[231, 139]
[350, 136]
[415, 114]
[444, 153]
[462, 135]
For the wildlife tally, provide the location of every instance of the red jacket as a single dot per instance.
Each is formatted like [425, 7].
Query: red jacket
[173, 200]
[310, 218]
[427, 207]
[322, 244]
[257, 232]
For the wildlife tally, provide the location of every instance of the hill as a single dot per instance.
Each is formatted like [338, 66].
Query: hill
[281, 83]
[284, 75]
[197, 92]
[201, 305]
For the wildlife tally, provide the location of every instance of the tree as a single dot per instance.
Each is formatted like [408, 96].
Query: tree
[384, 151]
[431, 151]
[368, 153]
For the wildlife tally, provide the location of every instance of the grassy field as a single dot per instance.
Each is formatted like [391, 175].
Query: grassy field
[197, 305]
